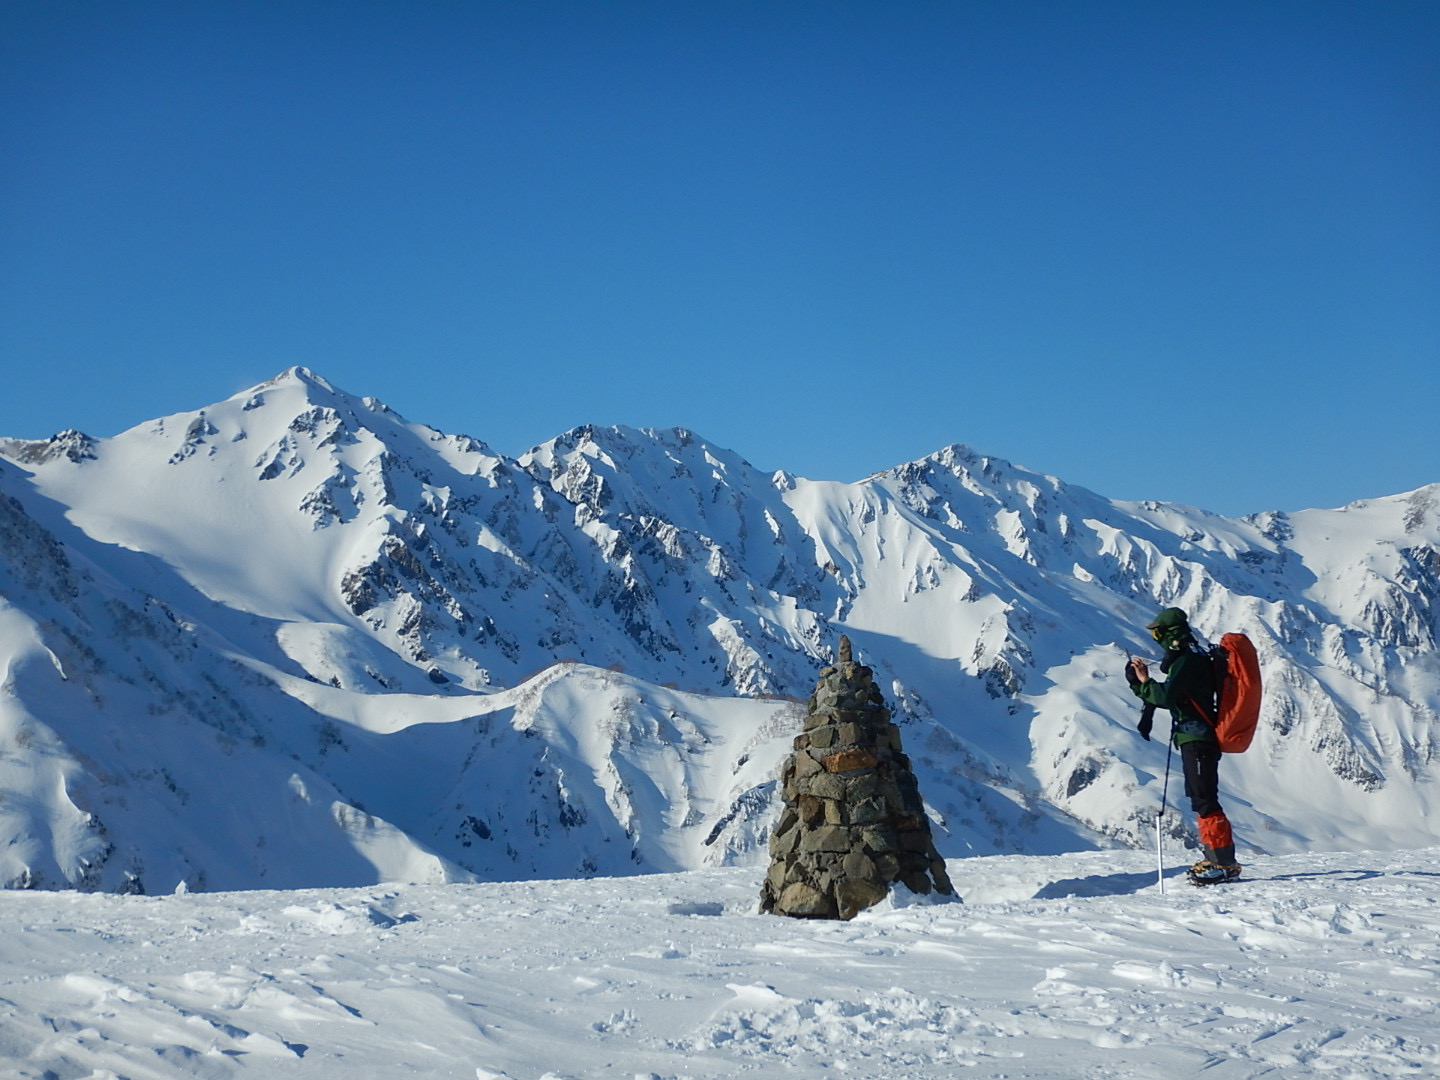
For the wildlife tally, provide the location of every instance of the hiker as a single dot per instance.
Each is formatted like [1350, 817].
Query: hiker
[1188, 691]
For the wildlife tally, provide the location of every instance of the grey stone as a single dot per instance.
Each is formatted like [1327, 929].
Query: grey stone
[826, 838]
[917, 882]
[823, 737]
[863, 786]
[859, 865]
[782, 844]
[826, 786]
[880, 839]
[867, 811]
[855, 895]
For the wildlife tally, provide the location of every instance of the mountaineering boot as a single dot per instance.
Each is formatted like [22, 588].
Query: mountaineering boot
[1212, 872]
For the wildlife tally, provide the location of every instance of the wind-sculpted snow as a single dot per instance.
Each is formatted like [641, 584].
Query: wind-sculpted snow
[295, 639]
[1053, 968]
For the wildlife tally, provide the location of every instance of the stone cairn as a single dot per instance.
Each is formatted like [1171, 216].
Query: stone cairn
[853, 822]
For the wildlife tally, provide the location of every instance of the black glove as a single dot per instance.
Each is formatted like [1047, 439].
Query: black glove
[1147, 721]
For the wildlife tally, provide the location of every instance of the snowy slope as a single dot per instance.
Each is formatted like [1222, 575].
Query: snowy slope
[295, 639]
[1053, 968]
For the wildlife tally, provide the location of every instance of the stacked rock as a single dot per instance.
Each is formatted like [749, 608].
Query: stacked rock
[853, 822]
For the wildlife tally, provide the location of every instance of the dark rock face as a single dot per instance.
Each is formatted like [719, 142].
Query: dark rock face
[853, 823]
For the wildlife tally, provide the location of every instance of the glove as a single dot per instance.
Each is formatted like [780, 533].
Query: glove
[1147, 721]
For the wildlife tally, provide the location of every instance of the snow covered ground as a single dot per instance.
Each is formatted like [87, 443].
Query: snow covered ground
[1069, 966]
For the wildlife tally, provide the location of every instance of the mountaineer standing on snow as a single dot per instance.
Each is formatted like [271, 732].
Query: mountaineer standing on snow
[1189, 692]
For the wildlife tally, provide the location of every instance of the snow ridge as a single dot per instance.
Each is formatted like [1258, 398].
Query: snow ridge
[295, 639]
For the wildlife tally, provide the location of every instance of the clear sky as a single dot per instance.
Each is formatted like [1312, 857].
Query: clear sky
[1183, 251]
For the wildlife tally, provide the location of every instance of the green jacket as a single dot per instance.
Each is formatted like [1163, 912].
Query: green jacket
[1188, 687]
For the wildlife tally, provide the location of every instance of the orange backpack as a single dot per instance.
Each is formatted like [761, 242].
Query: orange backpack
[1237, 682]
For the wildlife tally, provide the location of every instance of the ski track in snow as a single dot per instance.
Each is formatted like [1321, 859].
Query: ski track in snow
[1071, 966]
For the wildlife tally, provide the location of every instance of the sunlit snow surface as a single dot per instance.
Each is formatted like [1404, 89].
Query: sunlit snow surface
[1071, 966]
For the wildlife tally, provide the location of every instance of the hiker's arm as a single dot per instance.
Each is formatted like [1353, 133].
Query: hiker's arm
[1156, 692]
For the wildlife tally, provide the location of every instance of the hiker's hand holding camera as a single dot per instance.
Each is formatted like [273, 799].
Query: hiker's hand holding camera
[1137, 671]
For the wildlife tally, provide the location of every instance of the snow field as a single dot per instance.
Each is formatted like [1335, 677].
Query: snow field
[1055, 967]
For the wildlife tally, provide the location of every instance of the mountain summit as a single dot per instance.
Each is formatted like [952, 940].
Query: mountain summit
[293, 638]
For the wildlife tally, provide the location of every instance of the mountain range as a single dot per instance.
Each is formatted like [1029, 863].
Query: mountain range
[293, 639]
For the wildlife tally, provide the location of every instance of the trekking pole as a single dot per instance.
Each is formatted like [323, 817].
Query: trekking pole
[1160, 816]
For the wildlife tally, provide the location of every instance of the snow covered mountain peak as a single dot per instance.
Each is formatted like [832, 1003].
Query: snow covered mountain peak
[282, 569]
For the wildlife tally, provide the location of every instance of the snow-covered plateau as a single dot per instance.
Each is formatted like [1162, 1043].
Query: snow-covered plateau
[1062, 967]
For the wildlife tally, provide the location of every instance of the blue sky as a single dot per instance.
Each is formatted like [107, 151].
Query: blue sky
[1174, 251]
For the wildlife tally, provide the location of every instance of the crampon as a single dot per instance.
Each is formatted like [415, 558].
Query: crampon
[1209, 873]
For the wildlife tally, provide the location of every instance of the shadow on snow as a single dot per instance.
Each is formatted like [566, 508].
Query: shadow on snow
[1101, 885]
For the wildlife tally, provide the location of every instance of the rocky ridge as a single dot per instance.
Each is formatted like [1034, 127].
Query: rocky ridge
[274, 568]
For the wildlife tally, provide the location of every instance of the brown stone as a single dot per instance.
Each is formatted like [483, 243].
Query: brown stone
[811, 809]
[915, 840]
[806, 902]
[775, 877]
[799, 869]
[849, 760]
[805, 765]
